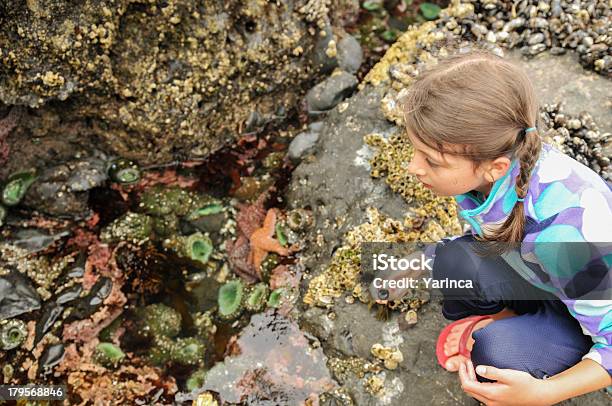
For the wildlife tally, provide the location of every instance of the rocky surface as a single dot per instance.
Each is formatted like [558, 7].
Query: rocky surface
[163, 80]
[334, 181]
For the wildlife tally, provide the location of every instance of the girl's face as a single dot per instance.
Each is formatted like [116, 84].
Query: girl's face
[447, 175]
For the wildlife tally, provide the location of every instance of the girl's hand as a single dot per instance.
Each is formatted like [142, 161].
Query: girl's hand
[512, 387]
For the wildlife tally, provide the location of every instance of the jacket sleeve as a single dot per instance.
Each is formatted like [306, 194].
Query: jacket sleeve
[595, 318]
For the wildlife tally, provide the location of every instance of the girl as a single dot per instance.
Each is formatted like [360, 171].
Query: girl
[472, 120]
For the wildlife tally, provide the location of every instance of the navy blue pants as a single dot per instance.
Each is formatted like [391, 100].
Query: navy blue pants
[543, 340]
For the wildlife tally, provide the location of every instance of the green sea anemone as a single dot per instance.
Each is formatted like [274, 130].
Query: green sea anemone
[16, 187]
[2, 215]
[12, 334]
[161, 352]
[280, 234]
[198, 247]
[196, 380]
[206, 210]
[256, 299]
[160, 320]
[166, 226]
[162, 200]
[188, 351]
[108, 354]
[124, 171]
[276, 297]
[230, 299]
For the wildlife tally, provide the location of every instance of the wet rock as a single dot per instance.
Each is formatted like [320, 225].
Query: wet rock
[324, 56]
[330, 92]
[350, 54]
[302, 144]
[34, 240]
[61, 190]
[316, 322]
[17, 296]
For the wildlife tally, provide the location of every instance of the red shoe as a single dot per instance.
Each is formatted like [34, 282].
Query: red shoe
[462, 349]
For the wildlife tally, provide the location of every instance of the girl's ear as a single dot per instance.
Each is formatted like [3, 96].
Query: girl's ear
[499, 167]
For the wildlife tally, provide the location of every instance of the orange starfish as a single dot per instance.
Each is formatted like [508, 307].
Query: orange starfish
[261, 241]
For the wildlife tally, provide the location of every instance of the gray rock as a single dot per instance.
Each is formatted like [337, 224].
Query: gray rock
[316, 322]
[350, 54]
[316, 126]
[320, 59]
[330, 92]
[302, 143]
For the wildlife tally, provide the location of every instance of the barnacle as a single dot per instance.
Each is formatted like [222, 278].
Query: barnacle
[230, 299]
[390, 356]
[12, 334]
[16, 186]
[299, 219]
[124, 171]
[256, 298]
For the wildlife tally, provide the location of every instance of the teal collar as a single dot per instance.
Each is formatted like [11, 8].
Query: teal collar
[497, 206]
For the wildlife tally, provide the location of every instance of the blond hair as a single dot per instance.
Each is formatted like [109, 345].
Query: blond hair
[477, 105]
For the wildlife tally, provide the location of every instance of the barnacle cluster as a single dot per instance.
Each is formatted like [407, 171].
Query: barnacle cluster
[41, 270]
[343, 272]
[390, 162]
[391, 357]
[430, 218]
[344, 368]
[132, 227]
[129, 66]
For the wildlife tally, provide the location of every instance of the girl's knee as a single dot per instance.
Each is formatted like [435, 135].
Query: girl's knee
[498, 346]
[453, 261]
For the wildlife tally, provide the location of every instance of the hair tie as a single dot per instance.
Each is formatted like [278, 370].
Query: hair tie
[530, 129]
[520, 200]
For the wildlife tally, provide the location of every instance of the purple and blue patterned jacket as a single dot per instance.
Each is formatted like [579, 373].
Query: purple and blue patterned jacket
[566, 203]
